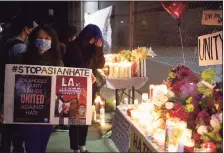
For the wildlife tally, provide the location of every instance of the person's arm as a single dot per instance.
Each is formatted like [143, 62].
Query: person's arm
[101, 60]
[16, 53]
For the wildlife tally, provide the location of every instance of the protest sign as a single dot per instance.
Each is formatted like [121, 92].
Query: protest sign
[101, 18]
[139, 143]
[212, 17]
[121, 131]
[210, 49]
[47, 95]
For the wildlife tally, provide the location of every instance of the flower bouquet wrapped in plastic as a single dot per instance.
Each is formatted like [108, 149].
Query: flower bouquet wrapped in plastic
[182, 81]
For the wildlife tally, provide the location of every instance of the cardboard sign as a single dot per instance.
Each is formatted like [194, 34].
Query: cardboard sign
[47, 95]
[121, 131]
[210, 49]
[139, 143]
[212, 17]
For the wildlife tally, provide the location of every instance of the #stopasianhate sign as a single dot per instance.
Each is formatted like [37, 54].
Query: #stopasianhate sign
[47, 95]
[210, 49]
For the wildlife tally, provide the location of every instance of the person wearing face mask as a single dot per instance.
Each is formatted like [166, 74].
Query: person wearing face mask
[43, 49]
[11, 52]
[86, 51]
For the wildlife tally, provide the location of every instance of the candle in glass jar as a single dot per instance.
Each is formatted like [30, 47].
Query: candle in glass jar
[172, 148]
[189, 146]
[187, 133]
[144, 97]
[126, 101]
[114, 104]
[135, 102]
[159, 136]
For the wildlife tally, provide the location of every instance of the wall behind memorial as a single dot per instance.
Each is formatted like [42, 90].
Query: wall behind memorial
[154, 27]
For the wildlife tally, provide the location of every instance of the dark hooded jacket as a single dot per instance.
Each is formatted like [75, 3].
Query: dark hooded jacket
[81, 54]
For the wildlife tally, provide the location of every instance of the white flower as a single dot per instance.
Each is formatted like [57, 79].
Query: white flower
[169, 105]
[215, 120]
[202, 129]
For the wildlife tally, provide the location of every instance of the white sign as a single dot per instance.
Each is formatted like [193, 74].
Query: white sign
[101, 18]
[212, 17]
[210, 49]
[121, 131]
[47, 95]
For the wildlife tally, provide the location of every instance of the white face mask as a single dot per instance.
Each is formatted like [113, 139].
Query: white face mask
[43, 45]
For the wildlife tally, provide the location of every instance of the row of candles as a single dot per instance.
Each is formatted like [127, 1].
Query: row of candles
[118, 70]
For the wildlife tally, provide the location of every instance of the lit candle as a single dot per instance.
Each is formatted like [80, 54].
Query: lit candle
[114, 104]
[182, 125]
[172, 148]
[159, 136]
[102, 117]
[116, 72]
[134, 114]
[149, 130]
[189, 146]
[135, 102]
[93, 113]
[126, 101]
[97, 103]
[144, 97]
[187, 133]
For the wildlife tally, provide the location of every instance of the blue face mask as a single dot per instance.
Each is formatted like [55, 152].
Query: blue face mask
[43, 44]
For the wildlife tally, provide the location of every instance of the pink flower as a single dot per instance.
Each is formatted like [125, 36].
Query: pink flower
[183, 73]
[204, 116]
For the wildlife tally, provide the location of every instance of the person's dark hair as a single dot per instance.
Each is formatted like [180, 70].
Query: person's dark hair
[90, 31]
[20, 22]
[66, 31]
[32, 53]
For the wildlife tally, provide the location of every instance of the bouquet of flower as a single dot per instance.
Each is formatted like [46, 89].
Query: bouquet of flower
[142, 53]
[202, 106]
[182, 81]
[125, 55]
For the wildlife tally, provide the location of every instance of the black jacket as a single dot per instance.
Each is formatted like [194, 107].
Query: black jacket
[83, 55]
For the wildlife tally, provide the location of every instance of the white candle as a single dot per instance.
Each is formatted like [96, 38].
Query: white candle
[114, 104]
[136, 102]
[102, 117]
[126, 101]
[116, 72]
[149, 130]
[172, 148]
[187, 133]
[159, 136]
[144, 97]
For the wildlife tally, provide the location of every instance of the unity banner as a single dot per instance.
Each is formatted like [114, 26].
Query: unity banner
[47, 95]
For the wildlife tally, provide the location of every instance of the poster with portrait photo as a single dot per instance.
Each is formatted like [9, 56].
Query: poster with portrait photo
[71, 98]
[32, 98]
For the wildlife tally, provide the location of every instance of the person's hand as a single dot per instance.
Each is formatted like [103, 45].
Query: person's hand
[93, 78]
[99, 43]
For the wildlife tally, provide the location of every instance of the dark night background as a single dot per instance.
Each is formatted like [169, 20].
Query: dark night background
[39, 9]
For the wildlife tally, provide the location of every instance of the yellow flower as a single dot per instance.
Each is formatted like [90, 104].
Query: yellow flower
[189, 100]
[189, 107]
[172, 75]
